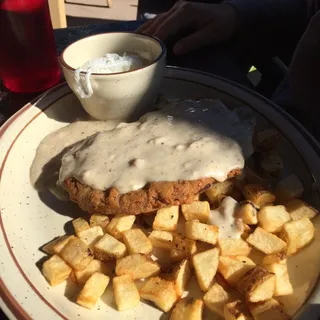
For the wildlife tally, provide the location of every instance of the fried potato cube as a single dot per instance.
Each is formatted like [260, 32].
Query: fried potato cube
[298, 209]
[72, 277]
[216, 298]
[120, 223]
[93, 290]
[297, 234]
[222, 281]
[91, 236]
[94, 266]
[236, 194]
[233, 247]
[99, 220]
[280, 257]
[289, 188]
[253, 176]
[136, 241]
[161, 239]
[55, 270]
[236, 310]
[266, 139]
[218, 190]
[182, 248]
[266, 242]
[271, 163]
[161, 292]
[272, 218]
[233, 268]
[246, 231]
[258, 194]
[247, 211]
[80, 224]
[283, 285]
[109, 248]
[125, 292]
[57, 244]
[48, 247]
[197, 210]
[267, 310]
[166, 219]
[188, 309]
[196, 230]
[257, 285]
[77, 254]
[180, 273]
[205, 265]
[138, 266]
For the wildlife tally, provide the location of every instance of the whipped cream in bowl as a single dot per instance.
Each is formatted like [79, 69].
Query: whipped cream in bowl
[109, 63]
[116, 76]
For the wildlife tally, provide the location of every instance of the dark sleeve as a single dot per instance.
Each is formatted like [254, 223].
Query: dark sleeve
[273, 14]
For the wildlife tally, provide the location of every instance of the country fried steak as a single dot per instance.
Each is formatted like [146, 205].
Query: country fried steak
[166, 158]
[153, 196]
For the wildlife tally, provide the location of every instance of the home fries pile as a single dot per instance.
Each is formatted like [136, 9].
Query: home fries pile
[121, 249]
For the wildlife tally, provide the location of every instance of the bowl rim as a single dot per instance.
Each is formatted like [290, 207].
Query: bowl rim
[161, 55]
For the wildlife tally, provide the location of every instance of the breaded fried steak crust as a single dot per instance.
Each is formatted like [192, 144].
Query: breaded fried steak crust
[152, 197]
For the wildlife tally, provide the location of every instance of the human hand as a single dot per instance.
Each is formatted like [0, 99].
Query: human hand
[212, 23]
[304, 72]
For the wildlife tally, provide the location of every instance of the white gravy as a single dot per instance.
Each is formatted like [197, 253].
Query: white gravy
[109, 63]
[186, 141]
[230, 227]
[46, 164]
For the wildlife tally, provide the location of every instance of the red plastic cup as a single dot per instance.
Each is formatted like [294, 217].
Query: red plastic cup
[28, 60]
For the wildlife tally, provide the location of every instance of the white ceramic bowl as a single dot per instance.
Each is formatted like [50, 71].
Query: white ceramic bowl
[121, 96]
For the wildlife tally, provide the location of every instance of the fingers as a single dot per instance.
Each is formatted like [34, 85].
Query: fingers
[157, 23]
[169, 23]
[195, 41]
[152, 25]
[177, 20]
[145, 26]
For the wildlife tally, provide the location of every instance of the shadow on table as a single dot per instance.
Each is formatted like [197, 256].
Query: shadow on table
[61, 104]
[65, 208]
[80, 21]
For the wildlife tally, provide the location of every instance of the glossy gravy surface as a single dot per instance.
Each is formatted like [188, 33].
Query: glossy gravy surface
[45, 168]
[186, 141]
[230, 227]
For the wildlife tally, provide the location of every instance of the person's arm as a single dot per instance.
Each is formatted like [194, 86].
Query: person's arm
[299, 93]
[261, 20]
[269, 27]
[304, 72]
[277, 15]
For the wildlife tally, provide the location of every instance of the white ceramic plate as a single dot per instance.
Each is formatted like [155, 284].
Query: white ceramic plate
[28, 219]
